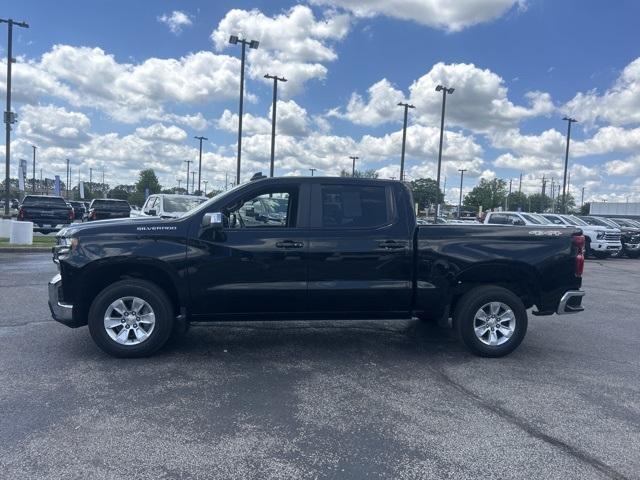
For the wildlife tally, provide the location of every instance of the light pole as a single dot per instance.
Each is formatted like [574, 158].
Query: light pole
[9, 116]
[406, 107]
[353, 166]
[233, 39]
[461, 170]
[67, 184]
[188, 162]
[445, 91]
[200, 160]
[33, 190]
[179, 183]
[205, 187]
[312, 170]
[275, 79]
[91, 182]
[569, 121]
[582, 199]
[193, 183]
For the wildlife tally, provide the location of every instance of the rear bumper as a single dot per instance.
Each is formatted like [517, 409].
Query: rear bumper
[570, 302]
[60, 311]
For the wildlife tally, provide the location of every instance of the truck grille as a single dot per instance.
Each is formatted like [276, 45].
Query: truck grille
[612, 237]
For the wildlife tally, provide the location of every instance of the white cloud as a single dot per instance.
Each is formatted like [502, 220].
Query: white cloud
[293, 44]
[251, 124]
[91, 78]
[381, 106]
[629, 166]
[479, 102]
[158, 131]
[51, 125]
[442, 14]
[608, 140]
[620, 105]
[176, 21]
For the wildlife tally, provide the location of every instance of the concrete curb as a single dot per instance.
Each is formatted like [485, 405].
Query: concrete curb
[25, 250]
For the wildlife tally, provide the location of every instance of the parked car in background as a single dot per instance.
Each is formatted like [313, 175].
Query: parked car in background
[106, 208]
[46, 212]
[629, 233]
[136, 211]
[166, 205]
[79, 210]
[517, 218]
[346, 248]
[601, 241]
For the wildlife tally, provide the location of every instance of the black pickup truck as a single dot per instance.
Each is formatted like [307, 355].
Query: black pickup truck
[108, 208]
[45, 211]
[341, 249]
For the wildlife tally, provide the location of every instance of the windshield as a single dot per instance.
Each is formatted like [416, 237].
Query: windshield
[635, 223]
[113, 204]
[532, 219]
[596, 221]
[42, 200]
[574, 221]
[181, 204]
[624, 223]
[219, 196]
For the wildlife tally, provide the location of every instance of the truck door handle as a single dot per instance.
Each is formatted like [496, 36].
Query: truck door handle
[289, 244]
[391, 245]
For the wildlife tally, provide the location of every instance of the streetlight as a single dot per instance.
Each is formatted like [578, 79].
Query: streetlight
[275, 79]
[353, 166]
[9, 116]
[461, 170]
[234, 40]
[312, 170]
[444, 90]
[569, 121]
[33, 190]
[200, 159]
[406, 107]
[188, 162]
[193, 183]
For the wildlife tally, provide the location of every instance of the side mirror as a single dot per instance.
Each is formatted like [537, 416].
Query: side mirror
[212, 220]
[153, 212]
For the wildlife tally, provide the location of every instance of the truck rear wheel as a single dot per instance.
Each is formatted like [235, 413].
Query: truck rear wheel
[491, 321]
[131, 318]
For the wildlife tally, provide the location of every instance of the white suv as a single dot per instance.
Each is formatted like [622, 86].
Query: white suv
[517, 218]
[170, 206]
[601, 242]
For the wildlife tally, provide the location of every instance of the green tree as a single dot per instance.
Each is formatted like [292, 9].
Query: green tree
[487, 194]
[425, 191]
[539, 203]
[360, 174]
[148, 179]
[121, 192]
[571, 203]
[517, 200]
[584, 209]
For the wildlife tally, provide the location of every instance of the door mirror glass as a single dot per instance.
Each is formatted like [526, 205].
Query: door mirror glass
[212, 220]
[153, 212]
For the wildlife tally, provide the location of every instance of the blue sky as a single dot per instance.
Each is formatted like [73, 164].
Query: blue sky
[127, 87]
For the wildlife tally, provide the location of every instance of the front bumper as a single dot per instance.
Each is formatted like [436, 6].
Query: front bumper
[633, 247]
[61, 312]
[602, 246]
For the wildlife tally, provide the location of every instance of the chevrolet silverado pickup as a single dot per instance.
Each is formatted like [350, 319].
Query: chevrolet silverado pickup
[334, 248]
[45, 211]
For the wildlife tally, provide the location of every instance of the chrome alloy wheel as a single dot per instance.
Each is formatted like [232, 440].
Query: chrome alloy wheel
[494, 323]
[129, 320]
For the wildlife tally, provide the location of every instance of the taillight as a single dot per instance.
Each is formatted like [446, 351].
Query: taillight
[71, 216]
[579, 242]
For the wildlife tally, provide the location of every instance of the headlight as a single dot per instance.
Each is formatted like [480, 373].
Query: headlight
[600, 235]
[70, 242]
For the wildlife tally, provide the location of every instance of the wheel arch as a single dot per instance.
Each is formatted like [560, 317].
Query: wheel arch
[98, 275]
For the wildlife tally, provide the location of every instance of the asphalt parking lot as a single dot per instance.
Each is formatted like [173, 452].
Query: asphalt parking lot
[322, 399]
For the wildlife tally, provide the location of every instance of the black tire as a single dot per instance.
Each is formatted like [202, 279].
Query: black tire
[587, 248]
[468, 306]
[150, 293]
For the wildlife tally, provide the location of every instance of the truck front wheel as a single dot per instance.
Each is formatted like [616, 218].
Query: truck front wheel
[491, 320]
[131, 318]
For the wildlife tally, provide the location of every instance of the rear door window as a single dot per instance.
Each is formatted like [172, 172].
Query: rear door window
[351, 206]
